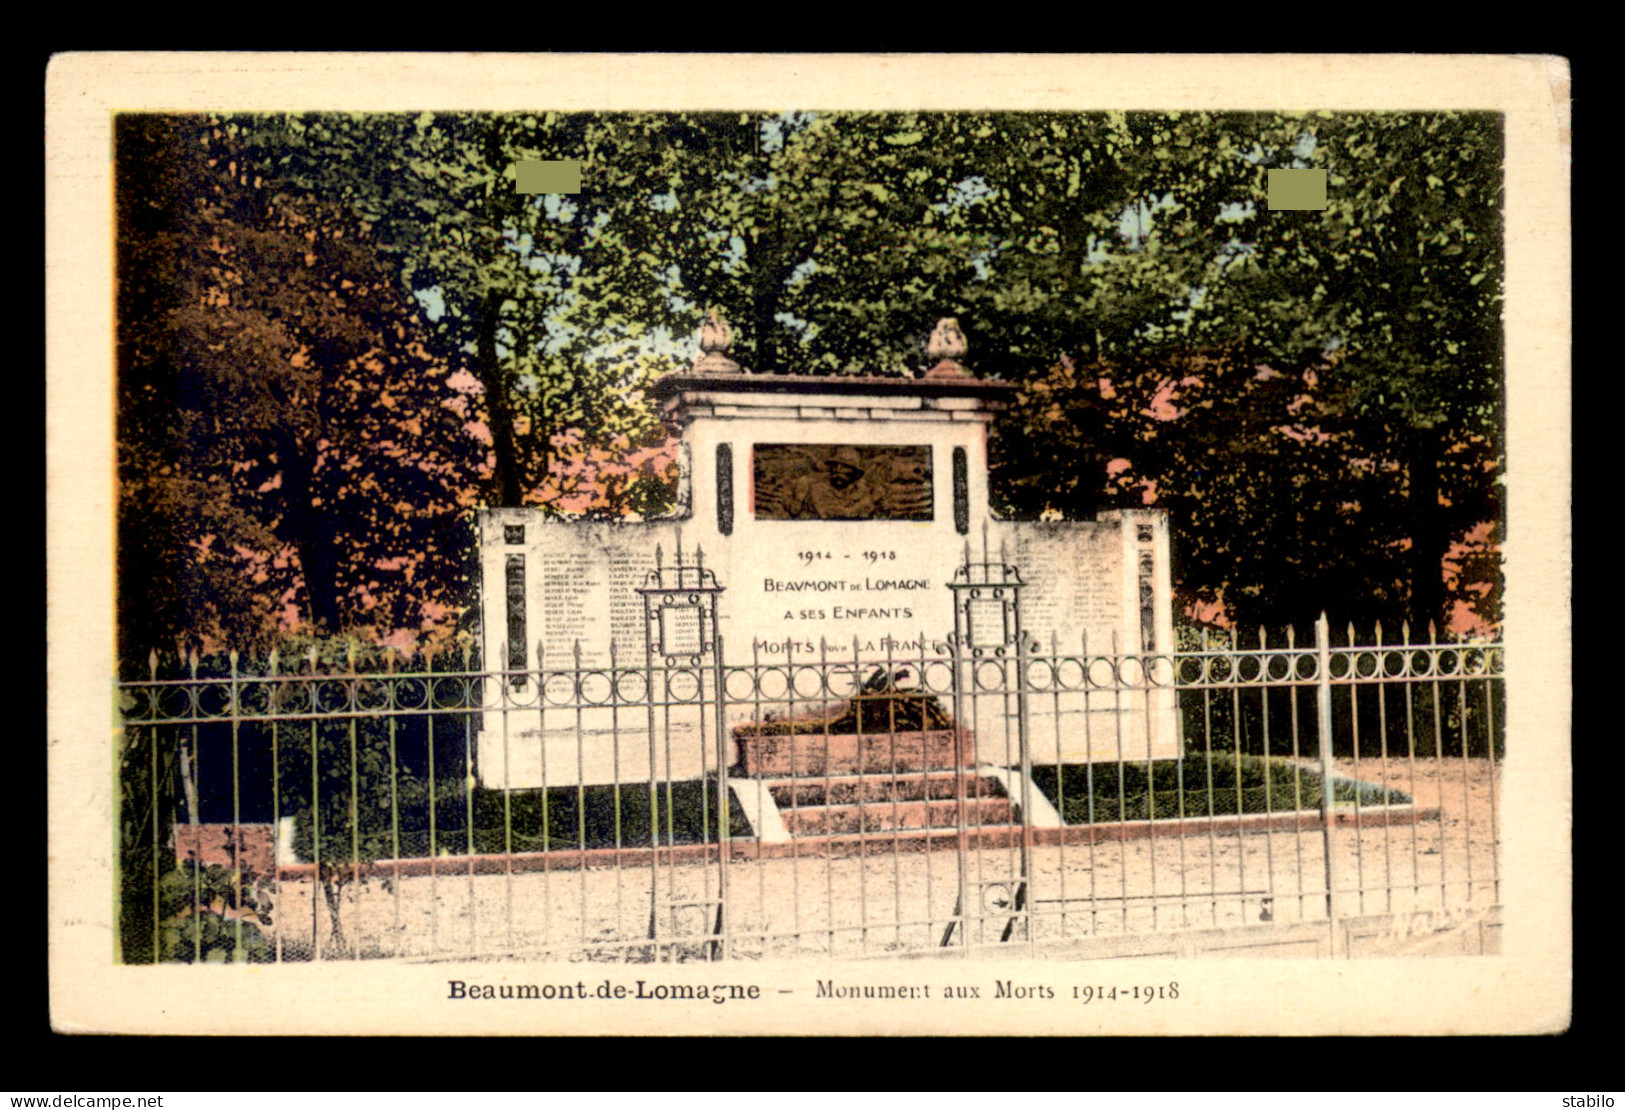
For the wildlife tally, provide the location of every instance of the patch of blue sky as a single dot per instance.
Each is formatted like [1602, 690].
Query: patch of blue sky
[663, 202]
[558, 207]
[776, 130]
[771, 132]
[554, 262]
[1301, 152]
[433, 301]
[1194, 298]
[657, 342]
[964, 193]
[1134, 224]
[681, 305]
[660, 342]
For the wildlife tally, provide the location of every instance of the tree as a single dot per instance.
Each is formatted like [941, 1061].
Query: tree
[497, 270]
[1392, 296]
[1321, 389]
[286, 446]
[1334, 374]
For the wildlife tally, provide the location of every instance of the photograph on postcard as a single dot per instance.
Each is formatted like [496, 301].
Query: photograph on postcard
[669, 537]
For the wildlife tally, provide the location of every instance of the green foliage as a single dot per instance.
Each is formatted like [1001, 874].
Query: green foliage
[498, 822]
[1395, 720]
[632, 815]
[145, 858]
[1220, 786]
[1315, 396]
[170, 911]
[209, 916]
[287, 450]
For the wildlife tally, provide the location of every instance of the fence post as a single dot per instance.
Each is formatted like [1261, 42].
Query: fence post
[724, 810]
[1323, 714]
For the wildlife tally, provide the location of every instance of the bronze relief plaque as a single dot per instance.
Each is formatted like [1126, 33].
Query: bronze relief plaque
[819, 481]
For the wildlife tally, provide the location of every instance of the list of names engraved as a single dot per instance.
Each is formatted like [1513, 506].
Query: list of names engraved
[585, 596]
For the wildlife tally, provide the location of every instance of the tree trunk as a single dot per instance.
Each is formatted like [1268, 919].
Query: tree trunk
[333, 894]
[761, 260]
[1430, 533]
[188, 782]
[499, 413]
[311, 536]
[764, 307]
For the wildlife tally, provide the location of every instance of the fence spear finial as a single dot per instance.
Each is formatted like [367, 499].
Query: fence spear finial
[152, 663]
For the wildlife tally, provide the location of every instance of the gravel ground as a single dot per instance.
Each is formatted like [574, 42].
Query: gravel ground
[892, 903]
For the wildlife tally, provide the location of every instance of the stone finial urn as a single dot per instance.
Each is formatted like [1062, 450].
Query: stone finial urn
[945, 348]
[716, 338]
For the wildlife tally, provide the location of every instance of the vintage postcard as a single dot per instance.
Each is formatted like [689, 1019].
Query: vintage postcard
[808, 544]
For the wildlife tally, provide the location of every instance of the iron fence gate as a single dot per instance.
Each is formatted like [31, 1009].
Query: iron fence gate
[988, 791]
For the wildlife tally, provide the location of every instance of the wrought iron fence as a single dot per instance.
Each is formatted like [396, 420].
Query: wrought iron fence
[989, 791]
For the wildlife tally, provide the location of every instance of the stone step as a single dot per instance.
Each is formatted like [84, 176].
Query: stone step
[813, 754]
[891, 816]
[901, 787]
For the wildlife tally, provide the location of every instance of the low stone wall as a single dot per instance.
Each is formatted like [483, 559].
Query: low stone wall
[212, 845]
[875, 845]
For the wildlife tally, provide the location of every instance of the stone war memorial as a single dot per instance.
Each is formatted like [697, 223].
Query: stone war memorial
[829, 517]
[816, 638]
